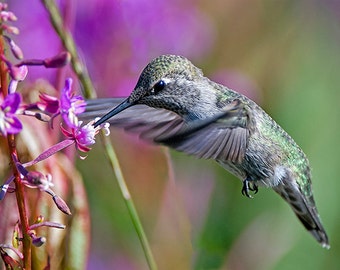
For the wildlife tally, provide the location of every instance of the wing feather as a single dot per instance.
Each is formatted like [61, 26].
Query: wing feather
[223, 136]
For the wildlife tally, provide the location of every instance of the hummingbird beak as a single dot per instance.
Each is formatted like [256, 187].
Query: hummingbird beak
[121, 107]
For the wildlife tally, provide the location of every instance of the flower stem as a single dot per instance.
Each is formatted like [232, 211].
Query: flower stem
[19, 189]
[20, 196]
[69, 44]
[129, 202]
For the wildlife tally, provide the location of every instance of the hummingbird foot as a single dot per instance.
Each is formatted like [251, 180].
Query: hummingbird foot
[249, 185]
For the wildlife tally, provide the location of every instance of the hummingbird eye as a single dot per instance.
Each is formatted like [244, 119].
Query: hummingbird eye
[159, 86]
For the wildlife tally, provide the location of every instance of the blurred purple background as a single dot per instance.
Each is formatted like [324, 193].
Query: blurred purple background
[282, 54]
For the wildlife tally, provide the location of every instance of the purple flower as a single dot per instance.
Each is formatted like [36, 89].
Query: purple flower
[71, 105]
[84, 136]
[35, 179]
[48, 104]
[9, 123]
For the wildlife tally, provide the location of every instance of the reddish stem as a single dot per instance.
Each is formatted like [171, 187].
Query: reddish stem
[19, 188]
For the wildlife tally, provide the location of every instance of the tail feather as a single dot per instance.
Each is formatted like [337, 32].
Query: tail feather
[305, 209]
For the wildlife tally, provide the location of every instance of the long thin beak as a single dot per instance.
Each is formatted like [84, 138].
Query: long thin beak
[121, 107]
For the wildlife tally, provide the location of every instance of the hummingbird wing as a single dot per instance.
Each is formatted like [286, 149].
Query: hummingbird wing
[223, 136]
[143, 120]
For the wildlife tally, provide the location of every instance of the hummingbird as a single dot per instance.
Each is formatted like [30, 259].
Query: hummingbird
[177, 106]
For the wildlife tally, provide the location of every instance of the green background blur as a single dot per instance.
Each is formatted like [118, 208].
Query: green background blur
[290, 51]
[284, 55]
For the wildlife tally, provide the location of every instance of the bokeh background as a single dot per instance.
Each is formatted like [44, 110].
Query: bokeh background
[283, 54]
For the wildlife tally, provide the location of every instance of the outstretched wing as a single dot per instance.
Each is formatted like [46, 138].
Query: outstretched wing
[143, 120]
[223, 136]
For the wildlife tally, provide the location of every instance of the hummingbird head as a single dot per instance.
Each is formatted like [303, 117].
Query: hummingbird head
[166, 82]
[169, 81]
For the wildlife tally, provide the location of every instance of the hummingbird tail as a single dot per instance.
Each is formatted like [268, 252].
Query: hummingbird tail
[305, 209]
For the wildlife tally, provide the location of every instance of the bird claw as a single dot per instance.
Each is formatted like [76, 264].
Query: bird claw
[246, 187]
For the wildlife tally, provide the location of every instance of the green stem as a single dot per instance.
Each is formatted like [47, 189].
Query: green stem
[129, 202]
[85, 80]
[69, 44]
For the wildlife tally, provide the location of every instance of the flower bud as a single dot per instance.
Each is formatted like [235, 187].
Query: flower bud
[61, 204]
[3, 6]
[60, 60]
[10, 29]
[40, 219]
[7, 16]
[38, 241]
[16, 50]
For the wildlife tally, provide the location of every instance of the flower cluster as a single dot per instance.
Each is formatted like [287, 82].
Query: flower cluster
[69, 106]
[13, 109]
